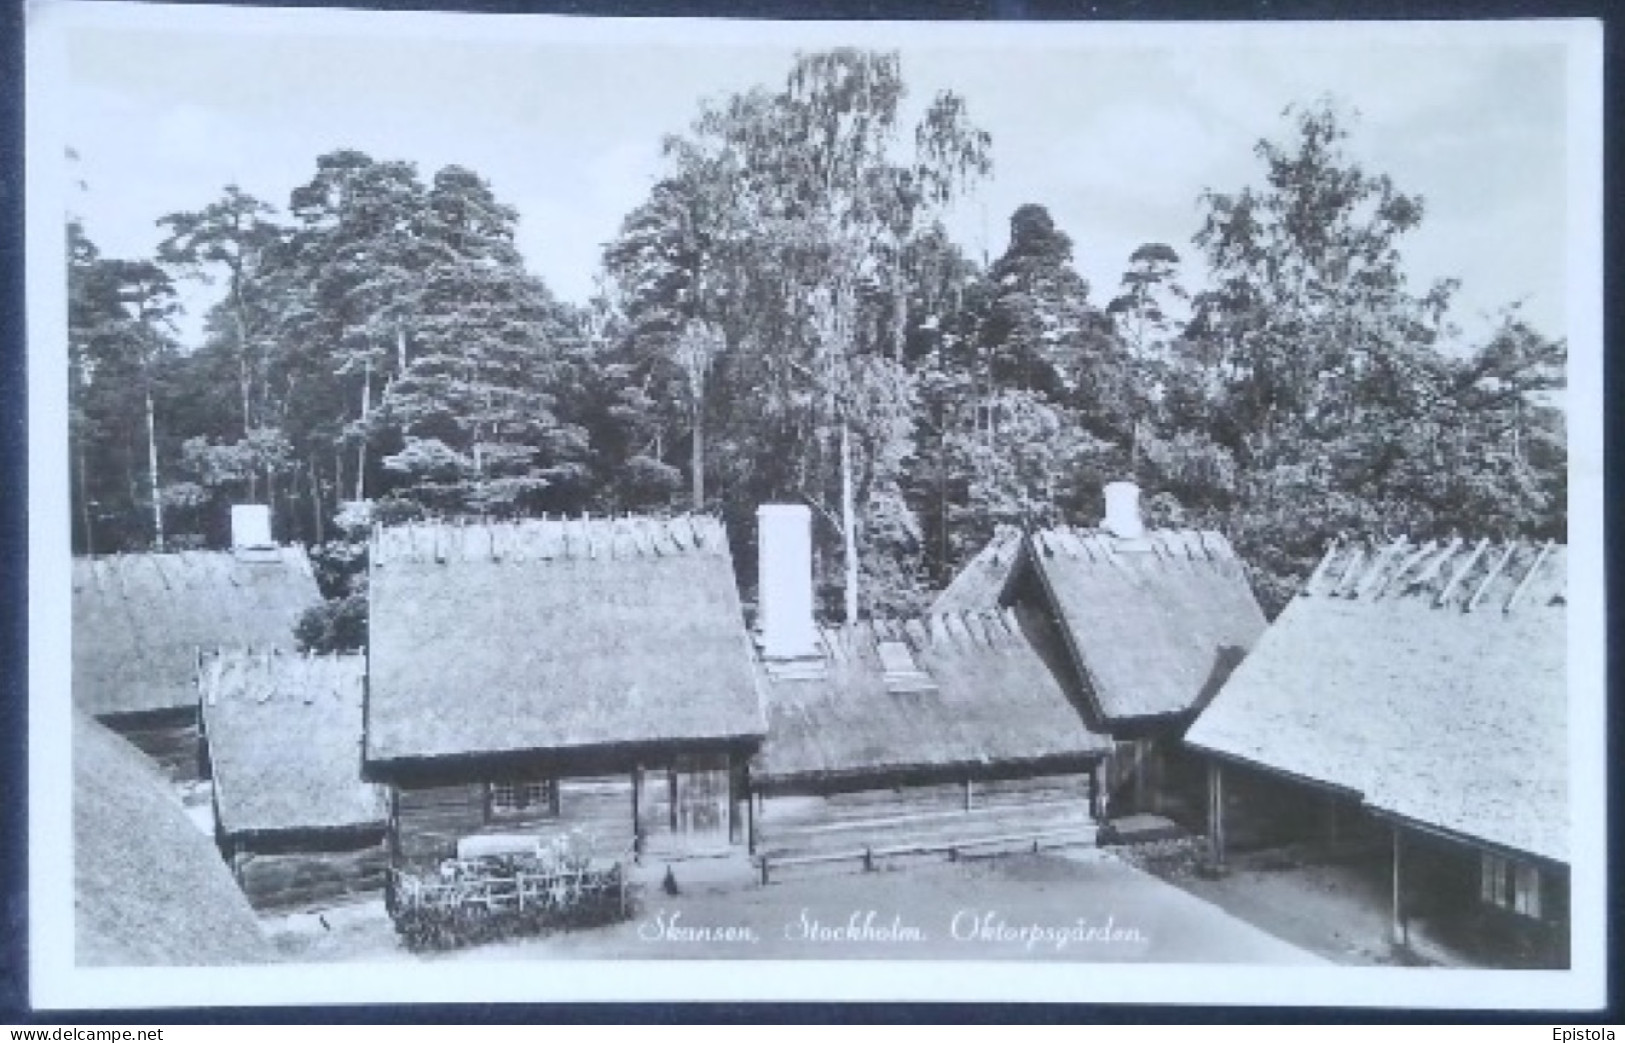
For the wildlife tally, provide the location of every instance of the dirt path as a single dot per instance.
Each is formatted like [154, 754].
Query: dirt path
[1088, 907]
[1337, 910]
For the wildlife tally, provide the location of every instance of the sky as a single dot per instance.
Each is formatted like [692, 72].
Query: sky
[1116, 131]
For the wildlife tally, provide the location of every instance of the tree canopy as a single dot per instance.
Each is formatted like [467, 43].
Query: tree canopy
[784, 316]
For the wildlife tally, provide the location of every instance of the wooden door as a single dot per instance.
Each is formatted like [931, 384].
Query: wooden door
[685, 805]
[701, 801]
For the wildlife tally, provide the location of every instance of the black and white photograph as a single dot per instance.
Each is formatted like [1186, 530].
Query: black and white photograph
[536, 508]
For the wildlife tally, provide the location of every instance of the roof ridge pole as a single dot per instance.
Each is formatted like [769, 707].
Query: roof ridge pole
[1472, 559]
[1484, 586]
[1523, 584]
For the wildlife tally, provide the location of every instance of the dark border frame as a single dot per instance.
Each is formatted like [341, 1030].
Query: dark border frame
[14, 1008]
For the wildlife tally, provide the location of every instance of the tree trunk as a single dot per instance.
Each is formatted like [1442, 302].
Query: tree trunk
[697, 463]
[244, 378]
[849, 526]
[361, 449]
[84, 495]
[152, 472]
[316, 498]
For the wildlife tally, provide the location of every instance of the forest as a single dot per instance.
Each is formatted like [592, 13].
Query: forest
[785, 318]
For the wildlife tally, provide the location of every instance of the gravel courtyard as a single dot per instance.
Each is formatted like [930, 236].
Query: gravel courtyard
[1084, 905]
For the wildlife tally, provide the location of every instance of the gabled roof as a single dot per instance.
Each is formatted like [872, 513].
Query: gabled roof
[284, 734]
[1430, 679]
[980, 696]
[555, 635]
[140, 619]
[1154, 625]
[148, 888]
[981, 583]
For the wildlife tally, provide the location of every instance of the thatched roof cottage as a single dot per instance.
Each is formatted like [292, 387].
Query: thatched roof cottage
[149, 888]
[550, 675]
[948, 727]
[1426, 682]
[1151, 623]
[293, 817]
[139, 621]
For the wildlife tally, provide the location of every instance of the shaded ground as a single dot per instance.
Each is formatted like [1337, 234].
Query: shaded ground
[1085, 905]
[1337, 908]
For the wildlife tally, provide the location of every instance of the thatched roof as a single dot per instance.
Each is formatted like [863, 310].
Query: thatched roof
[1429, 679]
[1154, 625]
[554, 635]
[139, 620]
[284, 733]
[980, 585]
[976, 695]
[149, 888]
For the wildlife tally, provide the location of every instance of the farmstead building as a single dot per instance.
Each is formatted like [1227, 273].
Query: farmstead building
[944, 732]
[1147, 625]
[1415, 694]
[589, 679]
[293, 818]
[140, 620]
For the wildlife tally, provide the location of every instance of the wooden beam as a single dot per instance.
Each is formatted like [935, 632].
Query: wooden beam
[1523, 584]
[1461, 571]
[1484, 586]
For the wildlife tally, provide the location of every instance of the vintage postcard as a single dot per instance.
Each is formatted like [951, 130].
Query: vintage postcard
[537, 508]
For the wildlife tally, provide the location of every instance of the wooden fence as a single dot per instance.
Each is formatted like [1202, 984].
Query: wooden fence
[480, 900]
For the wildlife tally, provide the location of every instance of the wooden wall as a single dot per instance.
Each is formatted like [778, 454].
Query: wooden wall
[429, 820]
[924, 814]
[297, 879]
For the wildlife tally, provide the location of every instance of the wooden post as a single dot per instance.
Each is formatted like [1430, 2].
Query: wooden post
[1155, 752]
[968, 798]
[1401, 925]
[1139, 775]
[750, 819]
[1215, 814]
[672, 796]
[1094, 792]
[637, 816]
[737, 788]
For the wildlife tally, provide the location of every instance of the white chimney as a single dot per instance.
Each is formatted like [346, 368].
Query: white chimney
[1123, 511]
[784, 581]
[251, 526]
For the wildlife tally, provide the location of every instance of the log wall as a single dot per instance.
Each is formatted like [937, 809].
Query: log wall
[298, 879]
[429, 820]
[924, 814]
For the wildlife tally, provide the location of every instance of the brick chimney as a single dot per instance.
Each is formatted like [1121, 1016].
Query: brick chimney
[784, 582]
[1123, 511]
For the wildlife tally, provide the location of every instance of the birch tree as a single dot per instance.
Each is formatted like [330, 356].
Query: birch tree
[824, 184]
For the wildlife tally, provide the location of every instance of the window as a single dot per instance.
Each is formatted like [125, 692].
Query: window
[1510, 885]
[522, 796]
